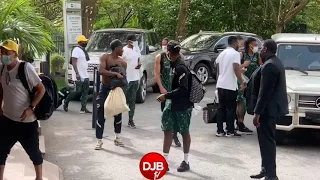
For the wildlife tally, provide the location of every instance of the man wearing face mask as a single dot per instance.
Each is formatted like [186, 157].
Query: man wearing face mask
[17, 119]
[131, 54]
[164, 44]
[163, 77]
[80, 60]
[270, 107]
[177, 112]
[228, 71]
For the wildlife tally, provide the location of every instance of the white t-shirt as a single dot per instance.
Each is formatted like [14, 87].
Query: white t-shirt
[15, 96]
[82, 63]
[131, 56]
[227, 78]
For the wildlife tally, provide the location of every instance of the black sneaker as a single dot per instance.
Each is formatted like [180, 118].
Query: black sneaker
[259, 176]
[183, 167]
[131, 125]
[245, 130]
[65, 106]
[221, 134]
[85, 111]
[234, 134]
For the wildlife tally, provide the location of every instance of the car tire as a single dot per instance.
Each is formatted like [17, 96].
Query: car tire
[142, 91]
[280, 137]
[155, 89]
[203, 72]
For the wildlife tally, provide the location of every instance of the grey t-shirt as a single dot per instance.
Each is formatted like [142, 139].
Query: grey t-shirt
[15, 96]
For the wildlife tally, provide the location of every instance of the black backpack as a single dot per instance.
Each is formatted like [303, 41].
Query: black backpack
[84, 51]
[196, 88]
[46, 106]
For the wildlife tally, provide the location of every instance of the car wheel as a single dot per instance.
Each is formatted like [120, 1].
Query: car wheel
[155, 89]
[203, 72]
[280, 137]
[142, 92]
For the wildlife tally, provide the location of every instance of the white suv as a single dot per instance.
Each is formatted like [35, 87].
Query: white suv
[300, 55]
[99, 43]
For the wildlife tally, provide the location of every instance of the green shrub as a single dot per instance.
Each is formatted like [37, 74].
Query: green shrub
[56, 63]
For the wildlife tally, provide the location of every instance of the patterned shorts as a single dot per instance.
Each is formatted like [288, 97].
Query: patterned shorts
[176, 121]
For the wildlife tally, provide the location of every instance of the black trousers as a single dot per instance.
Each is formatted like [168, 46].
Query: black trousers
[267, 143]
[227, 109]
[25, 133]
[102, 96]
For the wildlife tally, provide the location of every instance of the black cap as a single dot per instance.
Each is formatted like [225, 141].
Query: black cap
[174, 47]
[271, 46]
[131, 37]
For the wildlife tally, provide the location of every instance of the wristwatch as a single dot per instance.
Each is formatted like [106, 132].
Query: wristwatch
[32, 107]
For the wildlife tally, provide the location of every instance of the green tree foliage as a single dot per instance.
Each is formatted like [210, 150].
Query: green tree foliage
[19, 21]
[57, 62]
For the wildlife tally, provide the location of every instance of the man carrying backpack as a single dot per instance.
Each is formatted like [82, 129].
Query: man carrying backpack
[177, 112]
[163, 77]
[79, 62]
[18, 121]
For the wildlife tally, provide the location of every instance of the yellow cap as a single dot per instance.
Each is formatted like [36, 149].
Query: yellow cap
[10, 46]
[82, 38]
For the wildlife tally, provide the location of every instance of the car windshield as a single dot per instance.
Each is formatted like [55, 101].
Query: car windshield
[302, 57]
[199, 42]
[100, 41]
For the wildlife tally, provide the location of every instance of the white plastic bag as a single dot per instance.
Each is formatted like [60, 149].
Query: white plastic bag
[216, 97]
[115, 103]
[196, 109]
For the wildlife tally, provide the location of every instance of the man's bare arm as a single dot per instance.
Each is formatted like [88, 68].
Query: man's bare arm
[102, 67]
[217, 73]
[74, 64]
[157, 69]
[237, 71]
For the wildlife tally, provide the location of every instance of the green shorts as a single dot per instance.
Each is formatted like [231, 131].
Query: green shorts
[176, 121]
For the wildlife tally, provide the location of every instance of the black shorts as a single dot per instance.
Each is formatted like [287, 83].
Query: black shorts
[27, 134]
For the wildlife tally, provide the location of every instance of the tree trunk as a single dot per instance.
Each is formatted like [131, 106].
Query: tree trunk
[279, 28]
[89, 13]
[182, 19]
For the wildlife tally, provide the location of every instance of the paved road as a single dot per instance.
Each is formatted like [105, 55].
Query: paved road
[70, 142]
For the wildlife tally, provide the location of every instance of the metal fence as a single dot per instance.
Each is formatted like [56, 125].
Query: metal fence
[58, 40]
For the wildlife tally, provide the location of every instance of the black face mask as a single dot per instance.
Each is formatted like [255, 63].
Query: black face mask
[83, 45]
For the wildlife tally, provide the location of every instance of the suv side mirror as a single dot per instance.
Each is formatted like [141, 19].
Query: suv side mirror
[152, 49]
[219, 47]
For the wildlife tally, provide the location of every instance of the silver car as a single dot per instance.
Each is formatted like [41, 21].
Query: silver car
[99, 43]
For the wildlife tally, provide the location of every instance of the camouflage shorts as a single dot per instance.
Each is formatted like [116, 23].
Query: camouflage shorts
[176, 121]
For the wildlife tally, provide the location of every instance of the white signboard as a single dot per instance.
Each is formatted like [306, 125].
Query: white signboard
[74, 5]
[74, 27]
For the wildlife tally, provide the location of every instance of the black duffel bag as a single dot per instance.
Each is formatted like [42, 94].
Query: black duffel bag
[210, 113]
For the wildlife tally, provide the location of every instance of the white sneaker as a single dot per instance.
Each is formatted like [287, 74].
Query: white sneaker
[99, 145]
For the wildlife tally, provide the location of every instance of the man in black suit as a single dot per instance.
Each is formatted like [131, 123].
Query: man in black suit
[271, 105]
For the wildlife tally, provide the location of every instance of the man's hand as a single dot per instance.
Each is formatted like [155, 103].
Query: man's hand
[26, 114]
[161, 98]
[119, 75]
[138, 66]
[246, 63]
[242, 86]
[163, 90]
[256, 120]
[78, 76]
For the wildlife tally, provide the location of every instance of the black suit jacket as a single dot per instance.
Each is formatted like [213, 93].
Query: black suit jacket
[252, 91]
[272, 99]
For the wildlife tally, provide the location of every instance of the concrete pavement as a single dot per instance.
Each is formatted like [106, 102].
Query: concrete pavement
[70, 143]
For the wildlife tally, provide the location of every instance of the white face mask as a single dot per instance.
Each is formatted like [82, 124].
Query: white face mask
[164, 48]
[255, 49]
[135, 43]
